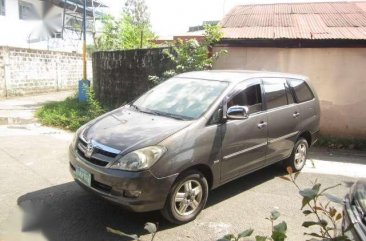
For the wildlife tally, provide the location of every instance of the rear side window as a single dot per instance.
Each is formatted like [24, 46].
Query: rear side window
[301, 89]
[275, 93]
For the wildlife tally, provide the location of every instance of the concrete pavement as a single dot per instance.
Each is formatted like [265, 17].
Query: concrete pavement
[20, 110]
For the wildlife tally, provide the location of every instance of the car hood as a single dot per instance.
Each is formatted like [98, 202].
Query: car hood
[126, 129]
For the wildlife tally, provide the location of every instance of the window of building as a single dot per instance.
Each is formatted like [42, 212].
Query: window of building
[275, 93]
[2, 7]
[301, 90]
[250, 97]
[27, 11]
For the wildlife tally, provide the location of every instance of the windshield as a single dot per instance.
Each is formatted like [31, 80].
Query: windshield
[181, 97]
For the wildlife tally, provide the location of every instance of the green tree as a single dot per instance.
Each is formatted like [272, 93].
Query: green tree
[192, 55]
[131, 31]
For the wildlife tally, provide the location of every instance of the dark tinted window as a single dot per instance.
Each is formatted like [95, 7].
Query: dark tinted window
[275, 93]
[301, 90]
[250, 97]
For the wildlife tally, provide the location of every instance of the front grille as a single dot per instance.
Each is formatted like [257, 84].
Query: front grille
[99, 157]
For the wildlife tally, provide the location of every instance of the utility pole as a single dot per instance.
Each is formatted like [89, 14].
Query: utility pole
[84, 42]
[84, 84]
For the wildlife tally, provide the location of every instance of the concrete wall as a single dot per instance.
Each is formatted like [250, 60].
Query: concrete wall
[26, 71]
[121, 76]
[338, 75]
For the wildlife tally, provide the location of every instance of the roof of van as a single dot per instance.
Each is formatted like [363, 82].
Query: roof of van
[236, 75]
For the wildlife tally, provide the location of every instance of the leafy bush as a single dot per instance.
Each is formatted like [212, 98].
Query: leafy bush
[70, 114]
[192, 55]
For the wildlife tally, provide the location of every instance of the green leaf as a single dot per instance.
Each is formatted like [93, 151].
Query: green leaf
[328, 188]
[151, 227]
[275, 214]
[281, 227]
[305, 201]
[309, 223]
[117, 232]
[229, 237]
[333, 198]
[341, 238]
[308, 193]
[306, 212]
[316, 187]
[339, 216]
[278, 236]
[260, 238]
[332, 211]
[314, 235]
[246, 233]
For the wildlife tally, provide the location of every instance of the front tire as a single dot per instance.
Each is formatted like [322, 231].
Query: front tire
[187, 198]
[298, 156]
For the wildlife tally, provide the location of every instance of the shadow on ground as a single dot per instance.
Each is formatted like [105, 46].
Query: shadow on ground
[73, 214]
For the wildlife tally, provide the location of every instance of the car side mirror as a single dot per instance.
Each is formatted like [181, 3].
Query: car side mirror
[237, 112]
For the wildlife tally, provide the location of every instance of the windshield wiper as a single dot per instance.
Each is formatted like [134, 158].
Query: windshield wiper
[165, 114]
[177, 117]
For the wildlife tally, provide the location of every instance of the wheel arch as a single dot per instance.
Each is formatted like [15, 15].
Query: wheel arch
[204, 169]
[307, 136]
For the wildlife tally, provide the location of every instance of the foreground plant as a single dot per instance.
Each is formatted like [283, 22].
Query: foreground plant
[278, 231]
[326, 215]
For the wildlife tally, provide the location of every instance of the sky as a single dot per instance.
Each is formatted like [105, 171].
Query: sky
[172, 17]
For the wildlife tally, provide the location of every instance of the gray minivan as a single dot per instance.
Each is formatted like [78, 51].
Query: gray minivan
[192, 133]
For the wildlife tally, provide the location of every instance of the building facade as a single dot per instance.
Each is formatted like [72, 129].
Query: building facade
[324, 41]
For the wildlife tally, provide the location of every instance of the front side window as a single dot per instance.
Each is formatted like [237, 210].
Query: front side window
[301, 90]
[27, 11]
[2, 7]
[250, 97]
[275, 93]
[181, 97]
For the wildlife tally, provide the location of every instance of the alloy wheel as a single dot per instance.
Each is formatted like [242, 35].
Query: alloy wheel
[188, 197]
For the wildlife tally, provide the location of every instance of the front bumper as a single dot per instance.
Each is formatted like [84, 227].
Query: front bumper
[114, 185]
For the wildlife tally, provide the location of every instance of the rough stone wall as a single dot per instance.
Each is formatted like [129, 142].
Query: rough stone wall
[121, 76]
[2, 73]
[29, 71]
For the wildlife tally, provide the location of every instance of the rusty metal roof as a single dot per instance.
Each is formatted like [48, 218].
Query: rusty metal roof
[324, 20]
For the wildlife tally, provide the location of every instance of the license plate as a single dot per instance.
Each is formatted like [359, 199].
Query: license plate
[83, 176]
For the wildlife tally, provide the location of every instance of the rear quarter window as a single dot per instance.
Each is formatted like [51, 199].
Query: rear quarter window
[301, 90]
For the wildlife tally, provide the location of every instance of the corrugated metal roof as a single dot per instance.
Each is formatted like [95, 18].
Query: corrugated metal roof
[325, 20]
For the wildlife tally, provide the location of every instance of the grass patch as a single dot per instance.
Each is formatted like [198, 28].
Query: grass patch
[342, 143]
[69, 114]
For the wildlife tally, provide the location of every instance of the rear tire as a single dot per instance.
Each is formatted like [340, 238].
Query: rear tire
[298, 156]
[187, 198]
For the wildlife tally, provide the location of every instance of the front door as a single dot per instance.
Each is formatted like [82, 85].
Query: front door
[244, 141]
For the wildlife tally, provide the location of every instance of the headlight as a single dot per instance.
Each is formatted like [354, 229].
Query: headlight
[140, 159]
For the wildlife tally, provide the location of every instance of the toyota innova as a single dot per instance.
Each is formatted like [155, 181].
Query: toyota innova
[192, 133]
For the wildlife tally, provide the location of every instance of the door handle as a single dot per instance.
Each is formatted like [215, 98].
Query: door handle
[262, 124]
[296, 114]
